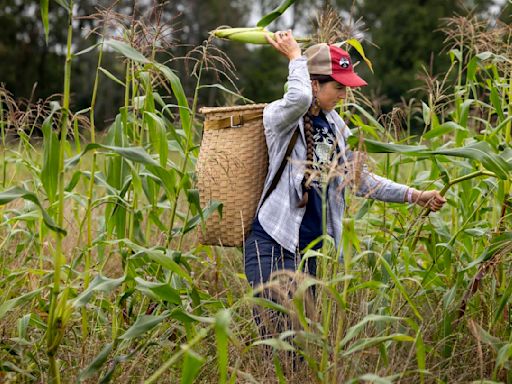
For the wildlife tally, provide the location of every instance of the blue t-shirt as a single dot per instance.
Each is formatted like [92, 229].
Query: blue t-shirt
[324, 151]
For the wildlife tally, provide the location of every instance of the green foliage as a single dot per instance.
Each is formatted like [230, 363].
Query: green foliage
[277, 12]
[20, 193]
[102, 279]
[406, 37]
[44, 16]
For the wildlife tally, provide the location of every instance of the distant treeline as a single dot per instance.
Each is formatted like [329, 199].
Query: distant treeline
[403, 40]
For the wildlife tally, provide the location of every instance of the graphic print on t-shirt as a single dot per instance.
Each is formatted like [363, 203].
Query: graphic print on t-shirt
[324, 142]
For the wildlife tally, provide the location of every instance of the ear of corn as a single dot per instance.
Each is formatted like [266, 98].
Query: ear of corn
[243, 35]
[252, 35]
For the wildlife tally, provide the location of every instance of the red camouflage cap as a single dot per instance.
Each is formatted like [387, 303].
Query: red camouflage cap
[324, 59]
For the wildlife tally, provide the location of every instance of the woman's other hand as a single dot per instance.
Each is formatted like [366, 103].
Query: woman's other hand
[285, 43]
[430, 199]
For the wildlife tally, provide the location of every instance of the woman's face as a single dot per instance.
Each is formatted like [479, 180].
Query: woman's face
[329, 94]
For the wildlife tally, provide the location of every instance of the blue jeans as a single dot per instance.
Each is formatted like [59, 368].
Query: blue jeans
[263, 255]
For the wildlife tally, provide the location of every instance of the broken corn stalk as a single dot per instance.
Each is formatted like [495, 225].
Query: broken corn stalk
[255, 35]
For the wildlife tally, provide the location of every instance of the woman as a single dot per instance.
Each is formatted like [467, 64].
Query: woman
[289, 214]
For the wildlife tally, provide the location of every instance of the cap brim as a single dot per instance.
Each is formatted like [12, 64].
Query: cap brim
[349, 79]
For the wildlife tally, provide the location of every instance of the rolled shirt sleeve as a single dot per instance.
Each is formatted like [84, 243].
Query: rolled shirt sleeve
[369, 185]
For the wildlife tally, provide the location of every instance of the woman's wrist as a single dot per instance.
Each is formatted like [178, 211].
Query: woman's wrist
[412, 195]
[295, 55]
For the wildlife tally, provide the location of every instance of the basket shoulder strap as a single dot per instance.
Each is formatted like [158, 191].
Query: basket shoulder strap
[233, 121]
[277, 176]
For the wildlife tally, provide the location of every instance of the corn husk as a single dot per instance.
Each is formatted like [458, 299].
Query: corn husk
[253, 35]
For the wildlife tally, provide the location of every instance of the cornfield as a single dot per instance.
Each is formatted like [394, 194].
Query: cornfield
[103, 280]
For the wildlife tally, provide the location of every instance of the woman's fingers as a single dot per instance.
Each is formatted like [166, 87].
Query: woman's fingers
[436, 201]
[269, 38]
[280, 35]
[432, 200]
[284, 42]
[277, 39]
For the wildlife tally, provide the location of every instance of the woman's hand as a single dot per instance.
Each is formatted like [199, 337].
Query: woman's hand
[285, 43]
[430, 199]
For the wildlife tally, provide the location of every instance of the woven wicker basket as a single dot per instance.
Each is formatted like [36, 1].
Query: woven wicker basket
[231, 168]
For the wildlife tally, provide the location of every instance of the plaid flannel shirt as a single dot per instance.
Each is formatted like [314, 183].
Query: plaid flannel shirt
[279, 215]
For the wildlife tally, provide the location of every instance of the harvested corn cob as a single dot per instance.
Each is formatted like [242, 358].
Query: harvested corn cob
[254, 35]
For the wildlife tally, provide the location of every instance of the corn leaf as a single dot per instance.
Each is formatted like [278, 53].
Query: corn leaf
[278, 344]
[99, 284]
[503, 302]
[496, 102]
[17, 301]
[187, 318]
[463, 112]
[265, 303]
[181, 97]
[128, 51]
[22, 325]
[84, 51]
[497, 244]
[203, 215]
[365, 343]
[64, 4]
[7, 366]
[163, 257]
[192, 363]
[222, 320]
[426, 113]
[51, 155]
[156, 126]
[373, 146]
[359, 48]
[368, 116]
[96, 364]
[275, 13]
[480, 151]
[421, 355]
[20, 193]
[443, 129]
[44, 4]
[138, 155]
[111, 76]
[471, 71]
[400, 287]
[162, 291]
[143, 324]
[504, 355]
[356, 329]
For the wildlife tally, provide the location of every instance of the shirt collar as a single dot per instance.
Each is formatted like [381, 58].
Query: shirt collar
[330, 119]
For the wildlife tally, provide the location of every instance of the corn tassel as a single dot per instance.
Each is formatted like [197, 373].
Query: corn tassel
[254, 35]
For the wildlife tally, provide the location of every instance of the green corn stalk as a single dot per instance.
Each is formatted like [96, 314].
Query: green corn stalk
[56, 319]
[90, 190]
[133, 192]
[178, 91]
[2, 129]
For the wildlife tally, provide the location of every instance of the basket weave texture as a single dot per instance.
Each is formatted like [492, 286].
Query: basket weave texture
[231, 169]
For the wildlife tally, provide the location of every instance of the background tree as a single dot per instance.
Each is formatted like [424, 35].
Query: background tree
[25, 58]
[405, 39]
[405, 35]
